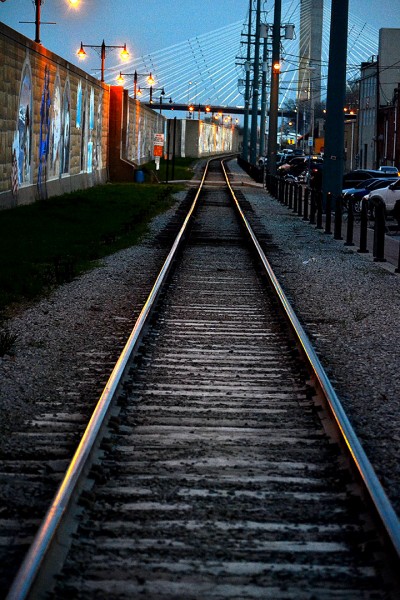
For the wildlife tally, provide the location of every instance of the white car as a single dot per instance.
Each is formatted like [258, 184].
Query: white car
[388, 195]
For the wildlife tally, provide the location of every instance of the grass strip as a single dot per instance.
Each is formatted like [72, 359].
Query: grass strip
[52, 241]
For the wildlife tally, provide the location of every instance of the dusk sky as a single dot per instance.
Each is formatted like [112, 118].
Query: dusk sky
[144, 25]
[150, 25]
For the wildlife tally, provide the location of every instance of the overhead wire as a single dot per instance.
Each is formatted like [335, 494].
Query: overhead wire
[215, 60]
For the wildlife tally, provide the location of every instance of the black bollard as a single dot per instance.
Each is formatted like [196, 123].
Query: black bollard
[313, 207]
[328, 217]
[291, 194]
[300, 200]
[363, 227]
[379, 233]
[281, 191]
[286, 192]
[318, 195]
[295, 195]
[350, 223]
[338, 218]
[306, 200]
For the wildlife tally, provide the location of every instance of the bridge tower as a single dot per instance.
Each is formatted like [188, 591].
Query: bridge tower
[310, 49]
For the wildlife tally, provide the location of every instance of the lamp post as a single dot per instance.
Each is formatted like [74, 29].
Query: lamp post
[38, 22]
[275, 71]
[135, 75]
[151, 90]
[82, 54]
[161, 100]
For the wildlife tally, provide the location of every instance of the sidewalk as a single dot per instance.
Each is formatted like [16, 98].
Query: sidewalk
[239, 177]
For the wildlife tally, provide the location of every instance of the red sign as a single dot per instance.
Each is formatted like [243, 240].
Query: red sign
[158, 150]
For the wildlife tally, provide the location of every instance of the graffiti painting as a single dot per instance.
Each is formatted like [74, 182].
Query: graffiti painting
[24, 127]
[55, 131]
[84, 136]
[66, 131]
[44, 135]
[97, 158]
[79, 106]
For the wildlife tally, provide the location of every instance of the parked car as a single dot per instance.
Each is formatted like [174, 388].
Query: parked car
[388, 195]
[298, 165]
[390, 170]
[357, 193]
[352, 178]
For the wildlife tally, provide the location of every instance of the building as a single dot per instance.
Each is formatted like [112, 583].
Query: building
[378, 135]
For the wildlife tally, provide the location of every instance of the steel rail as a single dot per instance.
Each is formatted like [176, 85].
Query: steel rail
[46, 534]
[381, 502]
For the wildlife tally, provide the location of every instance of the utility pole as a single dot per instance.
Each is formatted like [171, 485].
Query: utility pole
[273, 110]
[334, 156]
[256, 70]
[245, 149]
[264, 91]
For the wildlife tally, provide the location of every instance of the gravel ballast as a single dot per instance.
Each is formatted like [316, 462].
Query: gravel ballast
[347, 303]
[349, 307]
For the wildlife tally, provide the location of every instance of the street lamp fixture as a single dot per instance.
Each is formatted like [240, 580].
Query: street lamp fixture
[140, 92]
[38, 22]
[136, 91]
[124, 54]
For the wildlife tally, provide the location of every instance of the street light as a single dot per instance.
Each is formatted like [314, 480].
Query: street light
[135, 75]
[161, 100]
[140, 92]
[38, 22]
[124, 54]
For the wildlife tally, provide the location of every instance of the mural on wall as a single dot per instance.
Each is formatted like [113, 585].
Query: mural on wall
[79, 105]
[84, 135]
[55, 131]
[90, 133]
[97, 158]
[66, 130]
[44, 134]
[214, 138]
[23, 135]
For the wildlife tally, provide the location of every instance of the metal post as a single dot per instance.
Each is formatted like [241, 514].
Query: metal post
[263, 99]
[306, 199]
[328, 217]
[363, 227]
[312, 207]
[350, 223]
[273, 110]
[318, 195]
[338, 217]
[37, 20]
[254, 106]
[168, 148]
[379, 233]
[334, 126]
[173, 150]
[300, 201]
[103, 59]
[245, 149]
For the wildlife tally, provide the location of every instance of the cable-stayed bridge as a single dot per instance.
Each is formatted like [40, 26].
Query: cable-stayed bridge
[206, 69]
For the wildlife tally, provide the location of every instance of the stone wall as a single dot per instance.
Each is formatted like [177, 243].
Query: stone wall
[57, 131]
[53, 123]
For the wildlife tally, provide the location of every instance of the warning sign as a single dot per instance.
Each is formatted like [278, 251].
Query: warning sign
[158, 139]
[157, 150]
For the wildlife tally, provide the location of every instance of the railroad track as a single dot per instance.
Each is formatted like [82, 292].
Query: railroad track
[212, 466]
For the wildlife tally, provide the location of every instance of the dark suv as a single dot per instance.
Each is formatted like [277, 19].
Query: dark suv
[351, 179]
